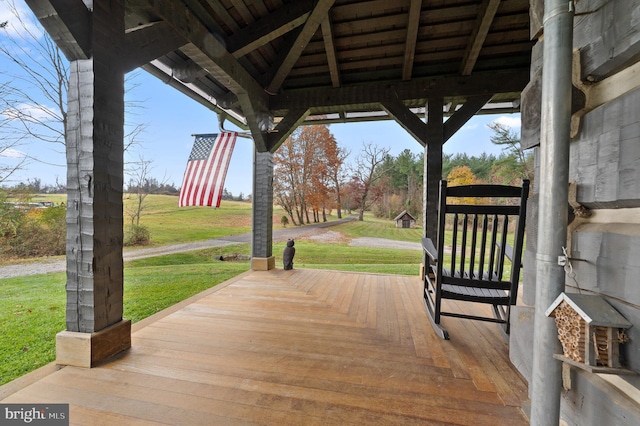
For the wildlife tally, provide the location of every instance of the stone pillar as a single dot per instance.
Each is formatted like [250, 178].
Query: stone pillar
[262, 258]
[94, 140]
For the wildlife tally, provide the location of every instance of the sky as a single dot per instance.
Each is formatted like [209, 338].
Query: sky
[171, 119]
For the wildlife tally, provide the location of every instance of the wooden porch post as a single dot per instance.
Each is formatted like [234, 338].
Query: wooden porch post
[432, 166]
[95, 327]
[262, 258]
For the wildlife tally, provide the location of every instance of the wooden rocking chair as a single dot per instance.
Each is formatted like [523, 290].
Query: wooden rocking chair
[483, 267]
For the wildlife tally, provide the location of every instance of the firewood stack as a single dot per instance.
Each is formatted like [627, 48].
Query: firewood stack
[571, 332]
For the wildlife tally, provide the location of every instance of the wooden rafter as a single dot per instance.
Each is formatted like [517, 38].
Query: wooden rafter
[407, 119]
[316, 17]
[330, 49]
[145, 44]
[285, 127]
[412, 38]
[464, 114]
[219, 9]
[68, 22]
[269, 28]
[369, 94]
[488, 11]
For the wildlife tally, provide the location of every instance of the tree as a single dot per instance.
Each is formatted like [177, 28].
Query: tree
[336, 157]
[12, 159]
[34, 105]
[365, 173]
[481, 166]
[515, 164]
[306, 167]
[287, 170]
[141, 184]
[461, 175]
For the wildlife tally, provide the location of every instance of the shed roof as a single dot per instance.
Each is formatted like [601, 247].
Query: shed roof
[594, 309]
[404, 212]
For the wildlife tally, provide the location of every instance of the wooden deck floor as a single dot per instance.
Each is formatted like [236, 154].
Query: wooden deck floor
[300, 347]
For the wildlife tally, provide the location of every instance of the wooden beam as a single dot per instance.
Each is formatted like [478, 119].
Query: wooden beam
[206, 49]
[269, 28]
[197, 93]
[68, 22]
[259, 121]
[330, 49]
[219, 9]
[416, 89]
[318, 15]
[285, 127]
[432, 167]
[412, 37]
[464, 114]
[488, 11]
[407, 119]
[210, 53]
[149, 42]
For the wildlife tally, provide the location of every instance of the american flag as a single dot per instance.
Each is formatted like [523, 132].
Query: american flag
[206, 170]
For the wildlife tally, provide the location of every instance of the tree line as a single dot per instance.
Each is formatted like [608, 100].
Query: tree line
[314, 177]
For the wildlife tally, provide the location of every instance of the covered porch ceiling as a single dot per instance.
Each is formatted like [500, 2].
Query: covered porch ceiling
[271, 65]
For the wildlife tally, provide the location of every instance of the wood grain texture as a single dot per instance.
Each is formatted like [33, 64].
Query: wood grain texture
[297, 347]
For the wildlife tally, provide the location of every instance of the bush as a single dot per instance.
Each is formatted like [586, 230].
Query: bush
[137, 235]
[33, 233]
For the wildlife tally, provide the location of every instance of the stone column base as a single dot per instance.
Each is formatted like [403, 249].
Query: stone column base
[263, 263]
[88, 349]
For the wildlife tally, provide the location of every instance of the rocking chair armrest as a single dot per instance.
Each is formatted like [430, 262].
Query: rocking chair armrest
[430, 249]
[508, 251]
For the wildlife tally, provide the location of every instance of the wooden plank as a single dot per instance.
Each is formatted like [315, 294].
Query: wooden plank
[424, 340]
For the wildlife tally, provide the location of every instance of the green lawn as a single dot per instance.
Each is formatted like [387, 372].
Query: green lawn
[380, 228]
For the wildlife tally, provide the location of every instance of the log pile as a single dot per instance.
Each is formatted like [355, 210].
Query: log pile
[571, 332]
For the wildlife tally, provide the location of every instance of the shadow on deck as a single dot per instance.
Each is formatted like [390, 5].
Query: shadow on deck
[300, 347]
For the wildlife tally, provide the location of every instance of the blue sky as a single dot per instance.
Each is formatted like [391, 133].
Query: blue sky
[172, 118]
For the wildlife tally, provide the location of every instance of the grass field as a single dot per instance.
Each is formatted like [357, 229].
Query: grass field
[32, 309]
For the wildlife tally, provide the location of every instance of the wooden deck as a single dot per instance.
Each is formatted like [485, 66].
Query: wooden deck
[300, 347]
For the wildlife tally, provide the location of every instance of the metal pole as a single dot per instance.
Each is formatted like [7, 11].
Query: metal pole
[552, 217]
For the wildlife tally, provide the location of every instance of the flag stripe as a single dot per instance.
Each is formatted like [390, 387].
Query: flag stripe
[203, 181]
[213, 165]
[221, 171]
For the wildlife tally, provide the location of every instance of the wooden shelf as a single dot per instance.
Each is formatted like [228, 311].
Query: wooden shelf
[595, 368]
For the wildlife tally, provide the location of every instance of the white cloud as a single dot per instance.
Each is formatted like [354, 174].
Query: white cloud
[31, 113]
[473, 126]
[12, 153]
[511, 121]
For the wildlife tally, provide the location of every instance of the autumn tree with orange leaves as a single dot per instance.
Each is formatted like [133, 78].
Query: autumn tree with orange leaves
[307, 174]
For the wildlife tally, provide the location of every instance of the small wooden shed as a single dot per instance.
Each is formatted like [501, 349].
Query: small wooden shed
[405, 220]
[590, 330]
